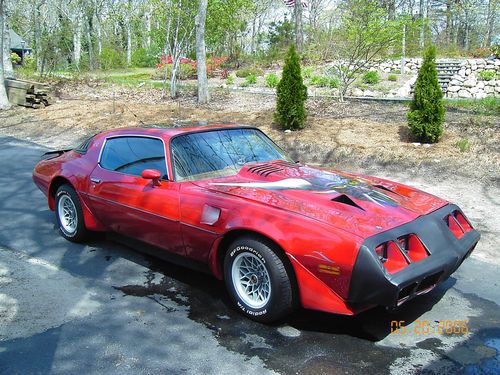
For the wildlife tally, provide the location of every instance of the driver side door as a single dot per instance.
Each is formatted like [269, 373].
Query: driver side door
[131, 205]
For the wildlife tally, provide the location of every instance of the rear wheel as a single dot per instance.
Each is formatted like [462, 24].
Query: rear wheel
[257, 279]
[69, 214]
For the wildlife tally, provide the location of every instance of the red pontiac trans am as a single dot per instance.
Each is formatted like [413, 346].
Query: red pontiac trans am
[279, 233]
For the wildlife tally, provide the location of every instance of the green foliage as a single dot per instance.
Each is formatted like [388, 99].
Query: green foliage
[392, 77]
[371, 78]
[144, 58]
[245, 72]
[481, 52]
[486, 75]
[111, 58]
[323, 81]
[426, 114]
[291, 94]
[244, 84]
[230, 80]
[251, 79]
[495, 50]
[463, 145]
[184, 72]
[272, 80]
[307, 72]
[487, 106]
[15, 58]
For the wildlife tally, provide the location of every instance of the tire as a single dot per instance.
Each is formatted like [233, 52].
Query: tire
[69, 214]
[265, 273]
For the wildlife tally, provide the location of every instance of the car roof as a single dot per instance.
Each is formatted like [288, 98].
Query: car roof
[167, 131]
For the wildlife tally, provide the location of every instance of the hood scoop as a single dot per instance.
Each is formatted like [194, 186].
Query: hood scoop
[270, 168]
[344, 199]
[381, 187]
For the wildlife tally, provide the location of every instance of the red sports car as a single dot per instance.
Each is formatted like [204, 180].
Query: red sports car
[279, 233]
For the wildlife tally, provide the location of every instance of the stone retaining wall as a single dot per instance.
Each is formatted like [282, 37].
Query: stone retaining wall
[466, 83]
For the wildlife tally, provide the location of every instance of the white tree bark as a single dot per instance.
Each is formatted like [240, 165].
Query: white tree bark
[8, 70]
[201, 57]
[299, 36]
[129, 33]
[4, 100]
[77, 39]
[148, 26]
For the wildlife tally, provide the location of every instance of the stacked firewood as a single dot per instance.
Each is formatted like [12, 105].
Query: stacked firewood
[28, 94]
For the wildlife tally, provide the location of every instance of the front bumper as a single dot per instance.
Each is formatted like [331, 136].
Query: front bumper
[372, 285]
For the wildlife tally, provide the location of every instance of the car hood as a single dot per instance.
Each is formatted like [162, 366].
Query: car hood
[356, 203]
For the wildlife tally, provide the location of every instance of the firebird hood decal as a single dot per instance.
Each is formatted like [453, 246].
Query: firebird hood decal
[329, 184]
[315, 193]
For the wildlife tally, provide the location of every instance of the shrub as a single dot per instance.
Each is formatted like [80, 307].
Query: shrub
[272, 80]
[230, 80]
[251, 79]
[319, 81]
[111, 59]
[371, 77]
[224, 74]
[392, 77]
[495, 50]
[144, 58]
[481, 52]
[291, 94]
[426, 114]
[245, 72]
[15, 58]
[486, 75]
[322, 81]
[244, 84]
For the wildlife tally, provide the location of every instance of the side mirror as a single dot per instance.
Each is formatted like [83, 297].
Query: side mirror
[152, 174]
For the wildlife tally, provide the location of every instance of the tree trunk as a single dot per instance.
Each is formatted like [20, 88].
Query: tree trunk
[173, 79]
[90, 44]
[8, 71]
[38, 35]
[203, 96]
[129, 44]
[148, 26]
[4, 100]
[77, 40]
[129, 33]
[492, 4]
[299, 36]
[422, 26]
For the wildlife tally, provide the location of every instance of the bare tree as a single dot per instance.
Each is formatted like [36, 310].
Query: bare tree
[4, 100]
[8, 71]
[299, 34]
[201, 57]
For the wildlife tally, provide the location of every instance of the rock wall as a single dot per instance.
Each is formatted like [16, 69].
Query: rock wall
[467, 82]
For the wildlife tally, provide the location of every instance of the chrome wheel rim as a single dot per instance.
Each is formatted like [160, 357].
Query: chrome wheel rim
[67, 214]
[251, 280]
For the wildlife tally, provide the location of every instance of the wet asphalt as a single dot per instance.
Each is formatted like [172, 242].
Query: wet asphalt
[103, 307]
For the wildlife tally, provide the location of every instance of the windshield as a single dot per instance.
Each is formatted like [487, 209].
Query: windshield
[220, 153]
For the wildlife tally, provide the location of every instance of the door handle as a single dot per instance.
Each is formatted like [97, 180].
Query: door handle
[95, 180]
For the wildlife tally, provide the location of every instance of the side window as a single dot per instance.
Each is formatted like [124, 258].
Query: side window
[132, 155]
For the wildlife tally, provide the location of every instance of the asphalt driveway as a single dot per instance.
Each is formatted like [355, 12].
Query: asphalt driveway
[105, 308]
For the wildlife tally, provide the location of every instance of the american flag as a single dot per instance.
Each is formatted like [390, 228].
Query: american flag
[291, 3]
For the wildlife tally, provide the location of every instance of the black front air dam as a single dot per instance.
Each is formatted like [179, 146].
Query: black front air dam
[372, 285]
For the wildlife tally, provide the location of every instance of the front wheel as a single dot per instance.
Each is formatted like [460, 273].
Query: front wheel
[257, 280]
[69, 214]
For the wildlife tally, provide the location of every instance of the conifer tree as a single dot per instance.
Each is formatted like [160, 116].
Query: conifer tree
[291, 94]
[426, 114]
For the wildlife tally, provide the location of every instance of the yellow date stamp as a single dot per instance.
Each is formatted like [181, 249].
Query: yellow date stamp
[426, 327]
